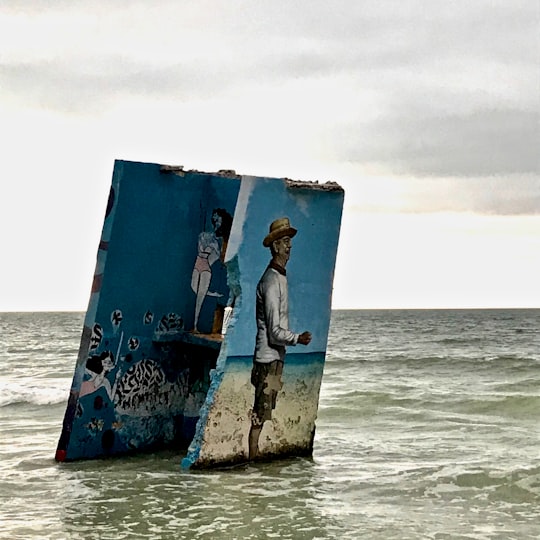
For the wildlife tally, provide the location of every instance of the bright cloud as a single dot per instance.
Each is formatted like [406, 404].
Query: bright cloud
[427, 113]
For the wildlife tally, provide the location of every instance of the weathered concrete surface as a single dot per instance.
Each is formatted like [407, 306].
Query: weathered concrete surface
[178, 250]
[224, 427]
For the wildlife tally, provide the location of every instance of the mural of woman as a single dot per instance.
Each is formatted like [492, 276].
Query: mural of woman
[209, 251]
[97, 367]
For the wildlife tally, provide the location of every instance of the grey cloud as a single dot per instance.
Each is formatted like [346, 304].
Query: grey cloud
[83, 84]
[272, 42]
[504, 195]
[481, 143]
[87, 87]
[435, 115]
[415, 30]
[366, 39]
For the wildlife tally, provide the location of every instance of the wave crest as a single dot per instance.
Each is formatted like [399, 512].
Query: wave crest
[49, 392]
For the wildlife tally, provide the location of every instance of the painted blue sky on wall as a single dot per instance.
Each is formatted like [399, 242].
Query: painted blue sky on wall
[317, 220]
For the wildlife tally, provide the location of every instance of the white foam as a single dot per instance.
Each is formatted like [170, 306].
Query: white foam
[33, 391]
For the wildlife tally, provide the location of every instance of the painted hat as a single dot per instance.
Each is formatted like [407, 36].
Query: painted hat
[278, 229]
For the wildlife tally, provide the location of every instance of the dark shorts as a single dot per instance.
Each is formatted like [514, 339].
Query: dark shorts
[266, 378]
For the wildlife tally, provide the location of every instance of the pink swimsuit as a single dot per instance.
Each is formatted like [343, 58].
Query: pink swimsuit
[201, 262]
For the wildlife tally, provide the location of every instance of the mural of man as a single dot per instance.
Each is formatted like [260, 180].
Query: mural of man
[273, 333]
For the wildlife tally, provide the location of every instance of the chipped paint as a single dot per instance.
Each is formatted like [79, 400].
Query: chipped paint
[176, 260]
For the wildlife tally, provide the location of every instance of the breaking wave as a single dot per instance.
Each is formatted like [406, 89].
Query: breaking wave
[22, 392]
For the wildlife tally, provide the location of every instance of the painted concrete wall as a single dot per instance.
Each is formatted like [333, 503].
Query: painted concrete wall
[226, 419]
[153, 370]
[134, 386]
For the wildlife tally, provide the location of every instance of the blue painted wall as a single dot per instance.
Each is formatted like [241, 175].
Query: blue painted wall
[224, 427]
[148, 375]
[316, 214]
[154, 242]
[142, 289]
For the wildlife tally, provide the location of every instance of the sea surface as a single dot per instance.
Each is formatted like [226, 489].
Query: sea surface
[429, 427]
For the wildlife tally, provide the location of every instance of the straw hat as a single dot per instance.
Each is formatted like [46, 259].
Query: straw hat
[278, 229]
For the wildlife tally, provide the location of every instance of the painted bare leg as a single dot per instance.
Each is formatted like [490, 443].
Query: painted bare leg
[254, 435]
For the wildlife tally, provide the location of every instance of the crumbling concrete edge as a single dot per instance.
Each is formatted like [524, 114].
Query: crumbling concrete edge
[299, 184]
[216, 375]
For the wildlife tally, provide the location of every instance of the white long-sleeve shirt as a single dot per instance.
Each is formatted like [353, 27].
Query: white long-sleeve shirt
[272, 312]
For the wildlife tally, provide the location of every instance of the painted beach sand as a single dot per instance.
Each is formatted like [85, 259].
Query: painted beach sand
[291, 428]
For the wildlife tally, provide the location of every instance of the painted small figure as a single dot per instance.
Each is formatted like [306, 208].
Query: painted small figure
[97, 368]
[209, 250]
[273, 333]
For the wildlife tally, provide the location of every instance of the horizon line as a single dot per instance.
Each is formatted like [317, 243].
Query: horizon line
[433, 308]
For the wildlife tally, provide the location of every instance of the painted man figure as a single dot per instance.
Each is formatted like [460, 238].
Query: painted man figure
[273, 334]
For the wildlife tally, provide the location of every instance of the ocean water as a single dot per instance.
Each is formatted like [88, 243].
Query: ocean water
[428, 427]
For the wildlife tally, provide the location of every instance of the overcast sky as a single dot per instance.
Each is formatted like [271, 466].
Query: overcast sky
[426, 112]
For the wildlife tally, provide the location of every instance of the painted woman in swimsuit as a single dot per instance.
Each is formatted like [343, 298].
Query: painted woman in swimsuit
[97, 367]
[209, 251]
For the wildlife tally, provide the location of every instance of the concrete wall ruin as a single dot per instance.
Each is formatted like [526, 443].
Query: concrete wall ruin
[181, 250]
